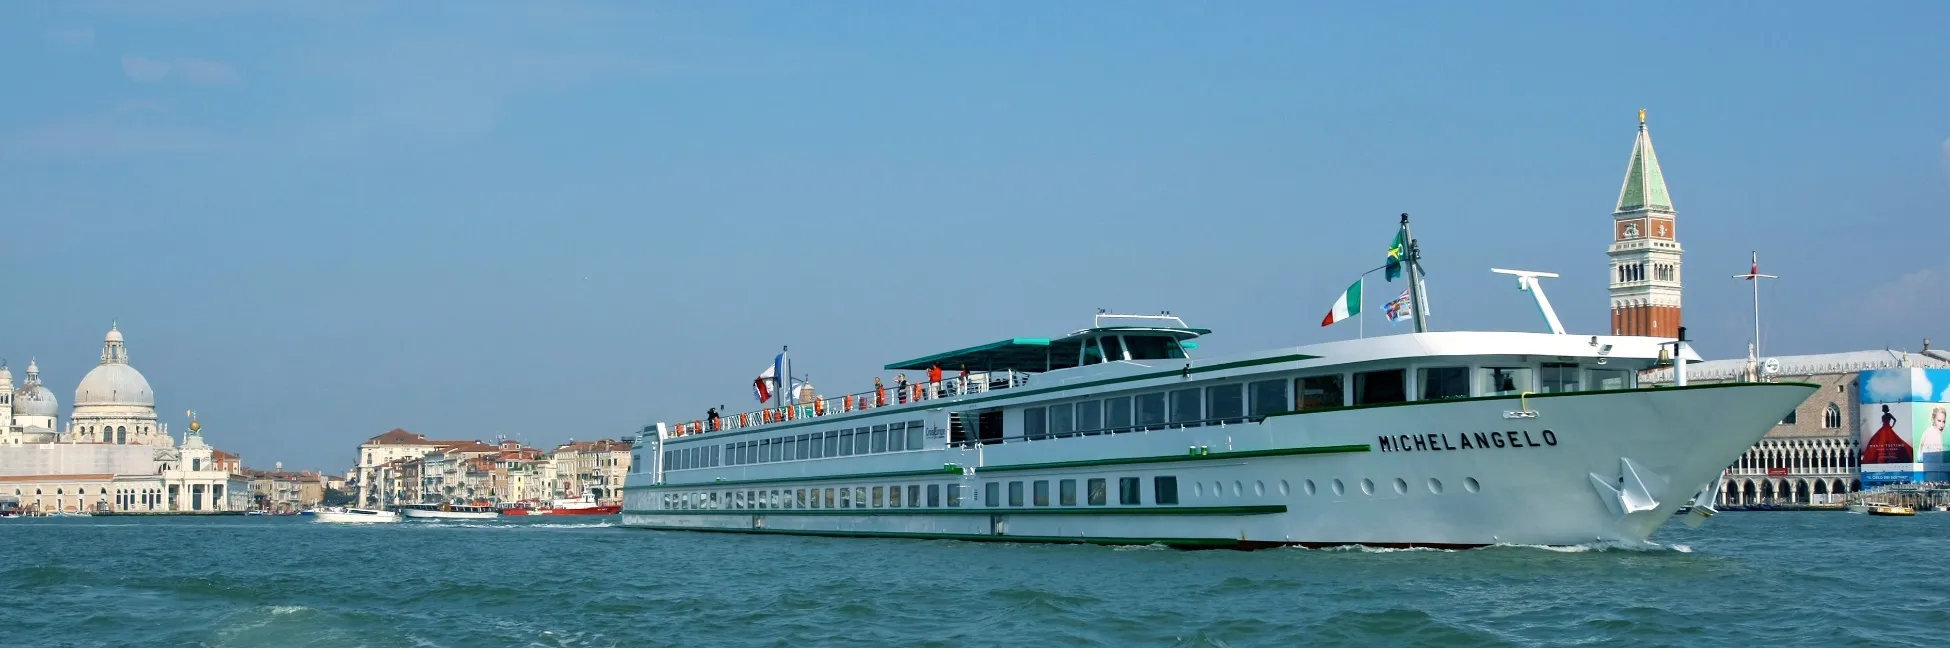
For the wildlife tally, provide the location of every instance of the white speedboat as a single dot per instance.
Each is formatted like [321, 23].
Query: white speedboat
[356, 516]
[449, 512]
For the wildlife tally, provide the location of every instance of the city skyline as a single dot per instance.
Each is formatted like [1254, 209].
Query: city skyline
[311, 243]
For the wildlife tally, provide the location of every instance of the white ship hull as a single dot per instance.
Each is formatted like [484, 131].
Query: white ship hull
[1589, 467]
[357, 516]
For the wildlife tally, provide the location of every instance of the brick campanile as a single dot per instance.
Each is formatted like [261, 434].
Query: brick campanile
[1645, 249]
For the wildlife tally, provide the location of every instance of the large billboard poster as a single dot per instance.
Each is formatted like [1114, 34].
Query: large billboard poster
[1904, 414]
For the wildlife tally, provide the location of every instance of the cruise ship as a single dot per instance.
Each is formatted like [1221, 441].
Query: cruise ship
[1119, 433]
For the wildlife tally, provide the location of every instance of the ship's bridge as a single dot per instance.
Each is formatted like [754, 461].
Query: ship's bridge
[1146, 337]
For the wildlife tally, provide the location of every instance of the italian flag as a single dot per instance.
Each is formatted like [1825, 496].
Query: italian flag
[1347, 306]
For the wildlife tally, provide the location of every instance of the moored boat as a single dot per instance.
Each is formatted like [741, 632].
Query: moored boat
[448, 511]
[1891, 510]
[356, 516]
[584, 505]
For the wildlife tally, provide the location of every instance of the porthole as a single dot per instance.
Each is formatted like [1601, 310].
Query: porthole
[1283, 488]
[1309, 485]
[1199, 489]
[1367, 486]
[1219, 488]
[1401, 486]
[1469, 484]
[1435, 485]
[1339, 489]
[1238, 489]
[1259, 488]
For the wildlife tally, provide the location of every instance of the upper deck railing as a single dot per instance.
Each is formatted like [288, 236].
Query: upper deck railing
[881, 396]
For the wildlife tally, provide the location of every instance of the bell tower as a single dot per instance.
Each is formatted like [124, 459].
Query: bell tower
[1645, 249]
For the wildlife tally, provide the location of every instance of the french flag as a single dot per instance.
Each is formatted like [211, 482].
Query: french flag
[762, 385]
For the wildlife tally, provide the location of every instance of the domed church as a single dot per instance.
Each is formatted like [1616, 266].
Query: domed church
[114, 403]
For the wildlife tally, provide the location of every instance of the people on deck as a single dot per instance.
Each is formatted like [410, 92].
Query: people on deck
[900, 387]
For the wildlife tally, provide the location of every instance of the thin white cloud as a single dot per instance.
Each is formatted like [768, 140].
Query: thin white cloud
[197, 71]
[105, 137]
[75, 37]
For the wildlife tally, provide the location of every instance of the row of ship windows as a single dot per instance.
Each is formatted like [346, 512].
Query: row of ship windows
[1234, 403]
[892, 437]
[1130, 492]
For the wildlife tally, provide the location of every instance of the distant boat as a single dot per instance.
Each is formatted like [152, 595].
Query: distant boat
[585, 505]
[253, 512]
[1891, 510]
[70, 514]
[448, 511]
[357, 516]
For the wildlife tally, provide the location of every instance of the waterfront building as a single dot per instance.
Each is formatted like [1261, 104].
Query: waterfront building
[1645, 252]
[377, 472]
[113, 455]
[594, 467]
[1813, 456]
[282, 491]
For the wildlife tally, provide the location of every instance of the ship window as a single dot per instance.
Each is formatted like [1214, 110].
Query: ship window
[829, 497]
[992, 494]
[861, 436]
[1611, 379]
[1445, 382]
[778, 449]
[954, 495]
[1015, 493]
[893, 497]
[832, 443]
[896, 437]
[1266, 397]
[1321, 391]
[913, 496]
[799, 497]
[1151, 411]
[1385, 386]
[1090, 416]
[1066, 492]
[879, 439]
[1164, 490]
[1558, 377]
[731, 452]
[1186, 409]
[1227, 403]
[1113, 348]
[1499, 381]
[714, 456]
[934, 495]
[1034, 423]
[876, 496]
[846, 443]
[1153, 347]
[915, 430]
[859, 497]
[1098, 492]
[1041, 493]
[768, 450]
[1062, 420]
[846, 498]
[1127, 491]
[1091, 353]
[1117, 414]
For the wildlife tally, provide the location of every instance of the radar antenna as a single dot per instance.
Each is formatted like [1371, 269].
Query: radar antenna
[1527, 281]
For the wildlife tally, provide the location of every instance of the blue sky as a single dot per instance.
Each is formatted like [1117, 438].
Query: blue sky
[320, 221]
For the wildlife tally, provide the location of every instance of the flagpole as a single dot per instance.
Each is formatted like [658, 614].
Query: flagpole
[1414, 260]
[1755, 276]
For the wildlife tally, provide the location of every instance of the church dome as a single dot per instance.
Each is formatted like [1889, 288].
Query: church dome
[114, 382]
[35, 400]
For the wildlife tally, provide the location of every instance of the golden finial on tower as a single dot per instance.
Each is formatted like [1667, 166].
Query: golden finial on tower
[1641, 116]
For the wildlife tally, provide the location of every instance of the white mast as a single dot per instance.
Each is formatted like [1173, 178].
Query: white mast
[1755, 276]
[1528, 281]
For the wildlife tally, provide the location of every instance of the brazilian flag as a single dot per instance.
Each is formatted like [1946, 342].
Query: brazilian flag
[1396, 251]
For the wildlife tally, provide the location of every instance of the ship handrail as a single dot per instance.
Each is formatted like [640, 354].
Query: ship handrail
[872, 399]
[1120, 429]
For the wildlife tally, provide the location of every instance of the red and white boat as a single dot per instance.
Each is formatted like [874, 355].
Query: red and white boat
[585, 505]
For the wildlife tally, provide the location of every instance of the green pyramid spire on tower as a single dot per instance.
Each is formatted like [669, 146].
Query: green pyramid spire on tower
[1645, 185]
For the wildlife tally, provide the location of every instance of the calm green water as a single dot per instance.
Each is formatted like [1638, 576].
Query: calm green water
[1745, 579]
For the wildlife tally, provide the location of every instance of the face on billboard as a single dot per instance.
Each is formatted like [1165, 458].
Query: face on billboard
[1904, 415]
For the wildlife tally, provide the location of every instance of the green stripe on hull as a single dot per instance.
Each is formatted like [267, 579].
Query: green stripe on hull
[1172, 542]
[1515, 397]
[1266, 509]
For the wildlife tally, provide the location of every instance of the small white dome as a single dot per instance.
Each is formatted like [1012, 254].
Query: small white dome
[114, 335]
[35, 400]
[114, 384]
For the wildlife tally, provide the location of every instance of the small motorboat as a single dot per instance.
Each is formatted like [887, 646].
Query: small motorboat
[254, 512]
[449, 511]
[1891, 510]
[70, 514]
[356, 516]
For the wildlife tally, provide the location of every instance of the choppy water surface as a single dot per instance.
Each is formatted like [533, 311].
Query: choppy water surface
[1745, 579]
